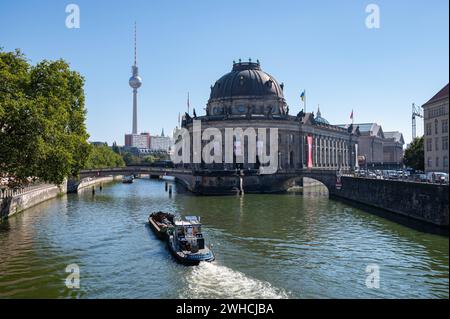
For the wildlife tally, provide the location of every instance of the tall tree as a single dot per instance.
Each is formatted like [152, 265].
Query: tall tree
[42, 119]
[103, 157]
[414, 154]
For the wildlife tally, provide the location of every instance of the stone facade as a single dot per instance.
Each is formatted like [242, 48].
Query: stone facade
[393, 149]
[436, 132]
[378, 149]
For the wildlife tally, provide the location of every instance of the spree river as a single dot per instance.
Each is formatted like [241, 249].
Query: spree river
[266, 246]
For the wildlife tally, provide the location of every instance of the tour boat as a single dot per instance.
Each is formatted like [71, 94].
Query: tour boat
[128, 179]
[161, 223]
[186, 242]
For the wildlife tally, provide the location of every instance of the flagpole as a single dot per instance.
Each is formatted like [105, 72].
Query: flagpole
[304, 101]
[188, 103]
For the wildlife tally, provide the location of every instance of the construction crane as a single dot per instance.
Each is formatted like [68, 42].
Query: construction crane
[416, 112]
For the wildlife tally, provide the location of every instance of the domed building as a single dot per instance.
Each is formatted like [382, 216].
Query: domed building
[246, 90]
[248, 101]
[319, 119]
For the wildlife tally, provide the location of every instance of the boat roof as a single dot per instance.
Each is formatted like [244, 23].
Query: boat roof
[182, 223]
[189, 221]
[192, 219]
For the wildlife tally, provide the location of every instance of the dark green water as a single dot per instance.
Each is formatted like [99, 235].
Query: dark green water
[267, 246]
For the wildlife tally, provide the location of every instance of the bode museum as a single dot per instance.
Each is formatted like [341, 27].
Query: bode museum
[250, 99]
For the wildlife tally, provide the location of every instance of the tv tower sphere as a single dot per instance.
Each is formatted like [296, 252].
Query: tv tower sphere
[135, 81]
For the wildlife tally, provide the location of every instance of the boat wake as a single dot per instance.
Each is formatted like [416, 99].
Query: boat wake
[210, 280]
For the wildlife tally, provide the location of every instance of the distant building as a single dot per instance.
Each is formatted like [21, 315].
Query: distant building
[436, 132]
[370, 144]
[378, 149]
[138, 140]
[161, 143]
[393, 149]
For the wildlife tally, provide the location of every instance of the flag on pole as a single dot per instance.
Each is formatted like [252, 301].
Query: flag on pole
[351, 115]
[302, 96]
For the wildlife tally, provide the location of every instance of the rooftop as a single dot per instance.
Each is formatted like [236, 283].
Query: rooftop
[442, 94]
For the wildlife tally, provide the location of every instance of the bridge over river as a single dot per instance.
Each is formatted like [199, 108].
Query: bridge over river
[422, 202]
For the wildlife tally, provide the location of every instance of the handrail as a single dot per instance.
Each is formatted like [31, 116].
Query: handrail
[6, 192]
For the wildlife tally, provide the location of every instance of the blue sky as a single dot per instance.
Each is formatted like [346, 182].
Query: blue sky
[321, 46]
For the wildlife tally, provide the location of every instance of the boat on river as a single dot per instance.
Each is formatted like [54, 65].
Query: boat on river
[186, 242]
[161, 223]
[128, 179]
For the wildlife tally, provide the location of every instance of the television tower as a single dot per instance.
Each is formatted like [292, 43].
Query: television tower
[135, 82]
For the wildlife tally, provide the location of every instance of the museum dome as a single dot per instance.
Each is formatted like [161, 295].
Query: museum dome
[246, 79]
[319, 119]
[248, 90]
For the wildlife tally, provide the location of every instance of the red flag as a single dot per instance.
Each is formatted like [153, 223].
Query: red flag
[310, 159]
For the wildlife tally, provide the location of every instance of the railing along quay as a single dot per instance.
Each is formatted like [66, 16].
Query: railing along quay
[6, 192]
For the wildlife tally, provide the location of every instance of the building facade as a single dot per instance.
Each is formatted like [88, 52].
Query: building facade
[378, 149]
[393, 149]
[435, 113]
[160, 144]
[141, 141]
[249, 99]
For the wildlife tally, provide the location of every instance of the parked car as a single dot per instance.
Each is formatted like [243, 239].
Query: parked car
[389, 174]
[372, 175]
[420, 177]
[437, 177]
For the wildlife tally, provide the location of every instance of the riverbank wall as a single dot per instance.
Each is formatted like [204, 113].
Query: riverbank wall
[419, 201]
[18, 203]
[73, 186]
[15, 204]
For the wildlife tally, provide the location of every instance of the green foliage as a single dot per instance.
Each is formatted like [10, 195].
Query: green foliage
[42, 119]
[115, 148]
[414, 154]
[103, 157]
[131, 159]
[149, 159]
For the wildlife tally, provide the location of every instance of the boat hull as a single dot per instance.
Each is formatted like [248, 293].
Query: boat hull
[160, 231]
[189, 259]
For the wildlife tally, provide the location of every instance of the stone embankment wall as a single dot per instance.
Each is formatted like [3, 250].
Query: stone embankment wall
[420, 201]
[15, 204]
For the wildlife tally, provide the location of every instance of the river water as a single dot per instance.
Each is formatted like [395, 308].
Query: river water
[266, 246]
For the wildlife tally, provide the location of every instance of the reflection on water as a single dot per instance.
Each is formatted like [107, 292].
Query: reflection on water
[267, 246]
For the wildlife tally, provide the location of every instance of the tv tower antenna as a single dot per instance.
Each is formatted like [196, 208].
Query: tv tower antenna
[135, 83]
[416, 112]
